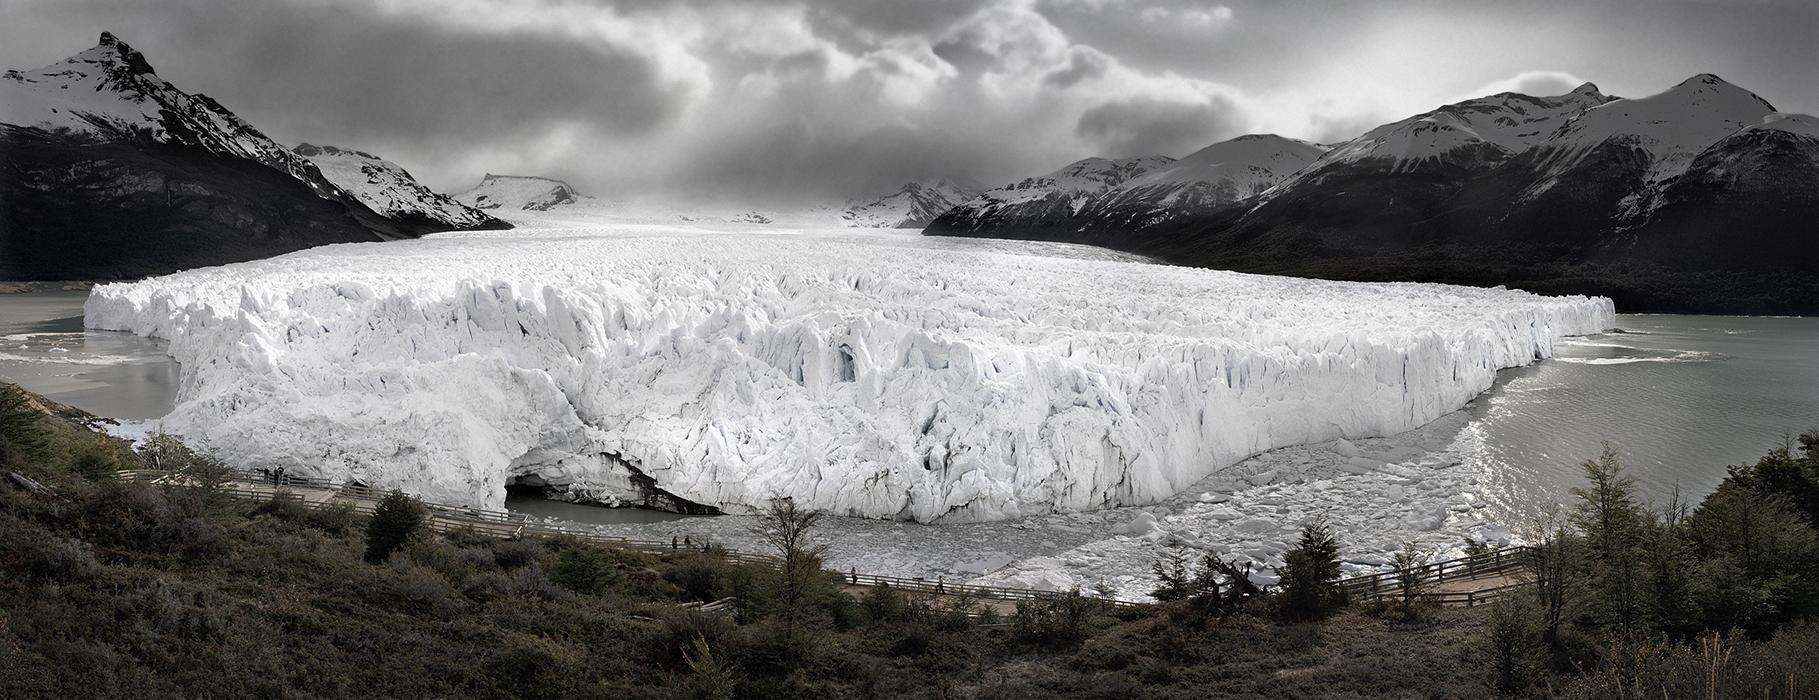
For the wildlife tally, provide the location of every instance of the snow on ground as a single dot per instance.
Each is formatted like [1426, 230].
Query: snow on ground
[869, 374]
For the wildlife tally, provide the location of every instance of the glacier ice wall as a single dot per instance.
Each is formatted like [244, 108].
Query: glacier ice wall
[872, 375]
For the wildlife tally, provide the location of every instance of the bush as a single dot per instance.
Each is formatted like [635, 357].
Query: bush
[62, 560]
[1513, 644]
[394, 523]
[415, 588]
[587, 570]
[512, 554]
[681, 628]
[699, 575]
[1058, 619]
[884, 604]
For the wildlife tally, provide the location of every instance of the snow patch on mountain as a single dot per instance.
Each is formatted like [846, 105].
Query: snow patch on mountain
[1221, 174]
[913, 206]
[1671, 127]
[1798, 124]
[520, 192]
[110, 92]
[859, 373]
[1497, 125]
[387, 188]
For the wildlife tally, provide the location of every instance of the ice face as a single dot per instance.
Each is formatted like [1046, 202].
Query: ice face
[874, 375]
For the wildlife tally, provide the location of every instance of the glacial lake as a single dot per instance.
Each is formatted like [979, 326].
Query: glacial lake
[1680, 397]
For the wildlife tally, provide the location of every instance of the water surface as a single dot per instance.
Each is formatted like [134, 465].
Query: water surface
[44, 348]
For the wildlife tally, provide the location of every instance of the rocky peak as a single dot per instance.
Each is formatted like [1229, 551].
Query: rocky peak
[1588, 90]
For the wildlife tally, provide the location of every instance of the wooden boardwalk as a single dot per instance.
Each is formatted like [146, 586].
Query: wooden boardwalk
[1468, 581]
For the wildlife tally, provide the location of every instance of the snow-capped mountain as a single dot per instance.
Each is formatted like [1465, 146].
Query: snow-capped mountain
[1482, 129]
[388, 188]
[913, 206]
[1210, 179]
[110, 92]
[1047, 200]
[1644, 200]
[112, 171]
[1095, 200]
[1671, 127]
[519, 193]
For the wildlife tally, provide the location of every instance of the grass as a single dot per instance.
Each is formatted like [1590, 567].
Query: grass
[124, 589]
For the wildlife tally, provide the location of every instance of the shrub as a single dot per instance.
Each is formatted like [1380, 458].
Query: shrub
[512, 554]
[588, 570]
[884, 604]
[394, 523]
[681, 628]
[698, 574]
[334, 518]
[1513, 644]
[415, 588]
[62, 560]
[708, 678]
[1053, 620]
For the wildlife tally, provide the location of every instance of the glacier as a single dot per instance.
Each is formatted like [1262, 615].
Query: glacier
[862, 373]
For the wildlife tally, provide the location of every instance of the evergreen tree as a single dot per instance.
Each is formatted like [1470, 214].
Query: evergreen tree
[1171, 575]
[22, 434]
[395, 521]
[1310, 574]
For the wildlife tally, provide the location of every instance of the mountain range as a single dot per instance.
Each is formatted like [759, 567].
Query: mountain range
[108, 171]
[1700, 198]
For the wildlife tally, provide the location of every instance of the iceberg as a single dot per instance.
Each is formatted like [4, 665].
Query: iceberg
[865, 374]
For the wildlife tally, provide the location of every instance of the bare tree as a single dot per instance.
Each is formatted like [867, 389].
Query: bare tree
[788, 529]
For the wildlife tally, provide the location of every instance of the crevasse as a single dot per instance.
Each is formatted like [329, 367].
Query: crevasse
[873, 375]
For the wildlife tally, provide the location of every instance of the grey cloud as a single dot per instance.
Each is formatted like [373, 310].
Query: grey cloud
[1082, 64]
[1146, 126]
[408, 91]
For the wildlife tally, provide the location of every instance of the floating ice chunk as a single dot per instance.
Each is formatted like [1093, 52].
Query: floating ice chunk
[986, 564]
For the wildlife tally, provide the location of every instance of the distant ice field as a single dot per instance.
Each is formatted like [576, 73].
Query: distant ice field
[867, 373]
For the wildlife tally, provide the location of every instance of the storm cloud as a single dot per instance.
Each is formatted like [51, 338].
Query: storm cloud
[791, 100]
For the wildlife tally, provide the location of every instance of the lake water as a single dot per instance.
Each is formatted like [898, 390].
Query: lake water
[43, 347]
[1681, 397]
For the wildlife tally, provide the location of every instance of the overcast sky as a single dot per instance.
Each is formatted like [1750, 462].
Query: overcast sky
[774, 101]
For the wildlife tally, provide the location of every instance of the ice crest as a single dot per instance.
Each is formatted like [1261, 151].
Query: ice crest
[871, 375]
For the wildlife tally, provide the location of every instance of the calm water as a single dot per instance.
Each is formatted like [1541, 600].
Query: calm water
[43, 347]
[1681, 397]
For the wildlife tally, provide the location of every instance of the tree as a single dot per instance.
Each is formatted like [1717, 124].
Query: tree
[22, 434]
[1613, 526]
[1513, 653]
[788, 529]
[585, 569]
[1411, 581]
[395, 521]
[1310, 574]
[1553, 563]
[1171, 575]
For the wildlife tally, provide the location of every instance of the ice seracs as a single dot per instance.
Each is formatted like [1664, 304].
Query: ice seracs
[863, 374]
